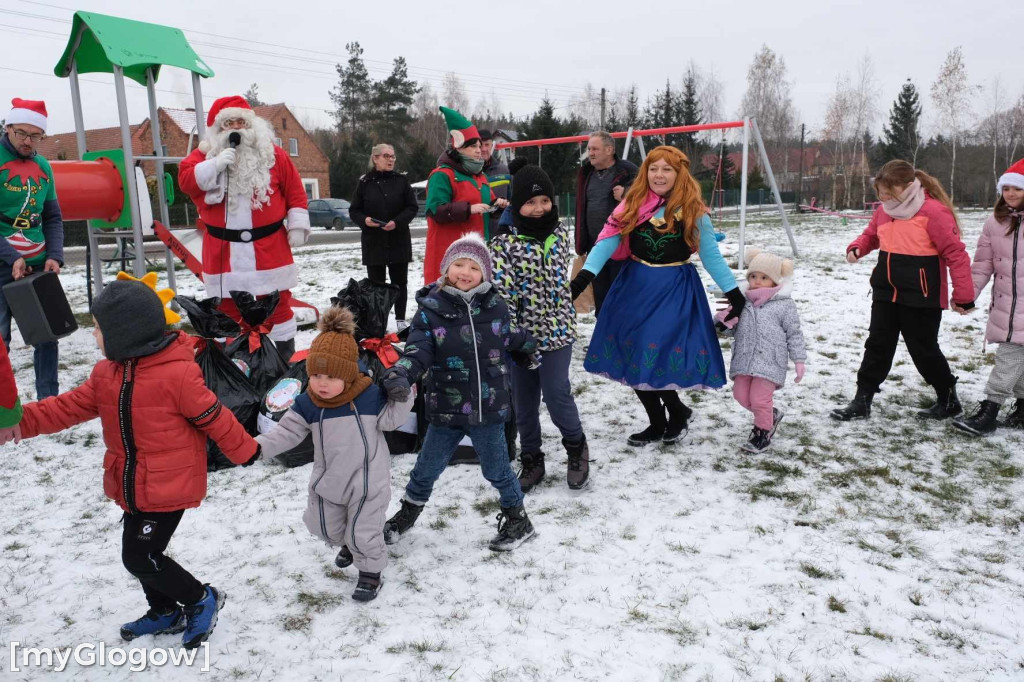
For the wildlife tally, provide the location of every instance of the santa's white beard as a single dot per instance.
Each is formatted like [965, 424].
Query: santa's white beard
[250, 174]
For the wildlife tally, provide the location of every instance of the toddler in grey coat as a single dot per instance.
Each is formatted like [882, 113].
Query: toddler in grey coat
[350, 484]
[767, 336]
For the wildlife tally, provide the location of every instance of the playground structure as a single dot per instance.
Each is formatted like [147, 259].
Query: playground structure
[750, 129]
[95, 187]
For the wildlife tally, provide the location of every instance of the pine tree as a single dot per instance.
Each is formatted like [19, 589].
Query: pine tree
[352, 94]
[901, 139]
[632, 115]
[392, 99]
[689, 114]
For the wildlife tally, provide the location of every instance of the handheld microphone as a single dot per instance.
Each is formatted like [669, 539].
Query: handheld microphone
[234, 139]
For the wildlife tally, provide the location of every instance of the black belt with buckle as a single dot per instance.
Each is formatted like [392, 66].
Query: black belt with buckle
[244, 236]
[19, 222]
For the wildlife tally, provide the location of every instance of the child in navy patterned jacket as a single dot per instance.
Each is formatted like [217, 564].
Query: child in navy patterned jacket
[458, 340]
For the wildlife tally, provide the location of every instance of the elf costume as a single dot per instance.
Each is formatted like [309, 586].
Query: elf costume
[451, 190]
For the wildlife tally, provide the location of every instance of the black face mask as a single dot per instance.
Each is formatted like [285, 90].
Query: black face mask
[537, 228]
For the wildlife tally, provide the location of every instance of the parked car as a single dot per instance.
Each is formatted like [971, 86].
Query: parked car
[329, 213]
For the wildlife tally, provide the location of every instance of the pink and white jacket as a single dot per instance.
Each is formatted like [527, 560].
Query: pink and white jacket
[1000, 257]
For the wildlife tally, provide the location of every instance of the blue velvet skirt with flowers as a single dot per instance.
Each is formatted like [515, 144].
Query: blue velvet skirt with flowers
[655, 331]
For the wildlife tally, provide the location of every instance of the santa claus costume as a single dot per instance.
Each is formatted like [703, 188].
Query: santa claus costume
[252, 204]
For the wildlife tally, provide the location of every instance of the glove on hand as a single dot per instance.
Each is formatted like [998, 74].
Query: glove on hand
[225, 158]
[296, 237]
[737, 300]
[800, 368]
[580, 282]
[397, 387]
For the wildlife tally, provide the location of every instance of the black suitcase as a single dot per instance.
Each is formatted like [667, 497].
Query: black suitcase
[40, 308]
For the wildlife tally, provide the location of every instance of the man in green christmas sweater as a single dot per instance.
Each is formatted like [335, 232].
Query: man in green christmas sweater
[30, 222]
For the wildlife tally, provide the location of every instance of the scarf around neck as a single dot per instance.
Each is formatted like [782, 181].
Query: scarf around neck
[351, 392]
[758, 297]
[537, 228]
[908, 203]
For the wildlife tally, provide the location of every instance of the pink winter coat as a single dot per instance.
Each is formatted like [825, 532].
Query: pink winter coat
[1001, 255]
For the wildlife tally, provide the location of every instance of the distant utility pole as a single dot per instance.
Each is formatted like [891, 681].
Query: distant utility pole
[603, 102]
[800, 181]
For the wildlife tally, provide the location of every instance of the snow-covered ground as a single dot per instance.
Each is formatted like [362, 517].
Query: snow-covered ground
[882, 550]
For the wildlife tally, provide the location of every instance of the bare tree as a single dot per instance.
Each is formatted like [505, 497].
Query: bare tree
[951, 93]
[768, 98]
[587, 106]
[865, 110]
[453, 93]
[709, 96]
[839, 119]
[429, 125]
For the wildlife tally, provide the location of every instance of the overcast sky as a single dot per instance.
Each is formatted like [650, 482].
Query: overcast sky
[522, 49]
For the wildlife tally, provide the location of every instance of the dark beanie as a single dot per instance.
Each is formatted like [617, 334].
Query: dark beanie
[528, 182]
[131, 317]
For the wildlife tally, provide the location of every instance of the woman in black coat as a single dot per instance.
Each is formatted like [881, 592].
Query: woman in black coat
[383, 207]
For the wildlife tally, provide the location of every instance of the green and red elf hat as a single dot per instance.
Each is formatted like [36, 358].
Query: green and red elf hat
[460, 128]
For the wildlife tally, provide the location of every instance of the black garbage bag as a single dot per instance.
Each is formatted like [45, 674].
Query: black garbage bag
[277, 402]
[371, 303]
[253, 351]
[222, 376]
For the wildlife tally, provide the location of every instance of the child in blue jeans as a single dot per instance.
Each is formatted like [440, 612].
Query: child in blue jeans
[458, 340]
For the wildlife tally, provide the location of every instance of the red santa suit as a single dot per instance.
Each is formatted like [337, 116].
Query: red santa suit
[246, 246]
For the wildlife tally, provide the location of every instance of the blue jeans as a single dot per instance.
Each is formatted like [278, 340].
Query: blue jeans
[44, 358]
[551, 380]
[438, 447]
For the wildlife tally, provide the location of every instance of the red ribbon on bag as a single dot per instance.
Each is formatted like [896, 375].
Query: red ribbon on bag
[254, 334]
[383, 347]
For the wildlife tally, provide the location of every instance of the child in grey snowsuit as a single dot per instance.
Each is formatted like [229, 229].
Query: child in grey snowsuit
[767, 336]
[350, 484]
[458, 341]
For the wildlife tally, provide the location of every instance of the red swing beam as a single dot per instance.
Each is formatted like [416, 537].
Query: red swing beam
[619, 135]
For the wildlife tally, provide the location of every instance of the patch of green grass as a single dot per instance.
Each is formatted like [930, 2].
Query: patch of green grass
[488, 506]
[421, 646]
[836, 604]
[14, 547]
[866, 475]
[685, 634]
[683, 549]
[448, 511]
[816, 572]
[946, 492]
[752, 624]
[319, 601]
[949, 637]
[895, 677]
[299, 622]
[868, 631]
[438, 524]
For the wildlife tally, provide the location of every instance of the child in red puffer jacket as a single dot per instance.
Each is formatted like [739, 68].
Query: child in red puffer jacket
[156, 414]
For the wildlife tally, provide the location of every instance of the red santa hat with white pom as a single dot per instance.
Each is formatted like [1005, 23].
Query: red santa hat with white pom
[1014, 177]
[227, 108]
[28, 111]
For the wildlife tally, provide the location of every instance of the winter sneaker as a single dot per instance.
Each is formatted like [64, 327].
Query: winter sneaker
[859, 407]
[1015, 420]
[947, 404]
[402, 521]
[368, 586]
[155, 623]
[532, 472]
[652, 434]
[201, 617]
[777, 414]
[981, 422]
[578, 471]
[677, 426]
[514, 528]
[344, 558]
[759, 441]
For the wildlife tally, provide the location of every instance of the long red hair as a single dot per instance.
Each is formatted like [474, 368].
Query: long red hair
[683, 204]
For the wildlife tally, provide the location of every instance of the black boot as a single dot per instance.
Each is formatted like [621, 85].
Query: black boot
[514, 528]
[655, 413]
[679, 416]
[579, 463]
[286, 349]
[947, 404]
[367, 586]
[859, 407]
[981, 422]
[402, 521]
[759, 441]
[532, 472]
[1015, 420]
[344, 558]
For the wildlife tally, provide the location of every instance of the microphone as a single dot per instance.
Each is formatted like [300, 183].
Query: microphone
[234, 139]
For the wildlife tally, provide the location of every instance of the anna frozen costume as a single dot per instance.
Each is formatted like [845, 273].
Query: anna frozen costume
[655, 333]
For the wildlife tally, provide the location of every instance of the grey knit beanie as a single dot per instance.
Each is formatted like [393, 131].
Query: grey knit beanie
[472, 246]
[131, 317]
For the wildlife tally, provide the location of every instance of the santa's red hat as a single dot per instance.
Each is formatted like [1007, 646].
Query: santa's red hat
[1014, 177]
[30, 111]
[229, 107]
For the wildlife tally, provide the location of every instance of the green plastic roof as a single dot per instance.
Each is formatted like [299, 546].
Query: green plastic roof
[99, 42]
